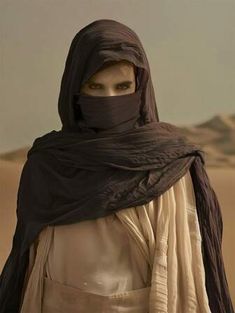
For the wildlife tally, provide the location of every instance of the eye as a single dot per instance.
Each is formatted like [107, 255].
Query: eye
[124, 86]
[95, 86]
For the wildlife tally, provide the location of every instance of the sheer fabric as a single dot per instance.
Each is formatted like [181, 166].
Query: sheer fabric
[141, 259]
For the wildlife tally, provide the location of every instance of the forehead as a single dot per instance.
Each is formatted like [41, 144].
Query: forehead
[114, 71]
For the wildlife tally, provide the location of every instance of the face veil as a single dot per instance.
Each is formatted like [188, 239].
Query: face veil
[115, 113]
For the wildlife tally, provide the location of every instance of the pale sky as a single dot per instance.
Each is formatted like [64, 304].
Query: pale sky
[190, 46]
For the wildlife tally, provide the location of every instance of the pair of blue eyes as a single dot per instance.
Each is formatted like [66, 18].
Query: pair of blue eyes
[97, 86]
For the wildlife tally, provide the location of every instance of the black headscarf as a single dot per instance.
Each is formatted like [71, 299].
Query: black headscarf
[84, 171]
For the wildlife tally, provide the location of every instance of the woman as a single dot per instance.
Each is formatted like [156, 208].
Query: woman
[115, 211]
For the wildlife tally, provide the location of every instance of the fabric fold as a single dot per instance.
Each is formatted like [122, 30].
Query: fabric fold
[167, 234]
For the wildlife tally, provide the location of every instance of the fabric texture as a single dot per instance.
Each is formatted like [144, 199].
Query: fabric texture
[143, 254]
[70, 172]
[101, 113]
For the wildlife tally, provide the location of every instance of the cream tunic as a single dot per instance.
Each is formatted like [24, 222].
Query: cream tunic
[98, 256]
[137, 260]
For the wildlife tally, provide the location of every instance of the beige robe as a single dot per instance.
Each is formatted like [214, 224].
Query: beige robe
[144, 259]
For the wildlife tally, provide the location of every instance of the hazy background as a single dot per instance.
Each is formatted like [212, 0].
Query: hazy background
[190, 46]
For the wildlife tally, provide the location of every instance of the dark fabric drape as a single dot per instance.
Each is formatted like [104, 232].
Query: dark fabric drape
[76, 173]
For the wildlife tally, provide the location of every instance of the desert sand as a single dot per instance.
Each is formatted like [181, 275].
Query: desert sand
[223, 182]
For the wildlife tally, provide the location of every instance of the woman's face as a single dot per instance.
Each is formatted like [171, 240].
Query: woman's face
[116, 79]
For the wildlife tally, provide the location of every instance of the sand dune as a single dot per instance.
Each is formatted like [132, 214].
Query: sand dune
[220, 123]
[18, 156]
[217, 138]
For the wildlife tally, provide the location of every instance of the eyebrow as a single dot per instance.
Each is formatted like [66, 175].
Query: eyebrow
[122, 82]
